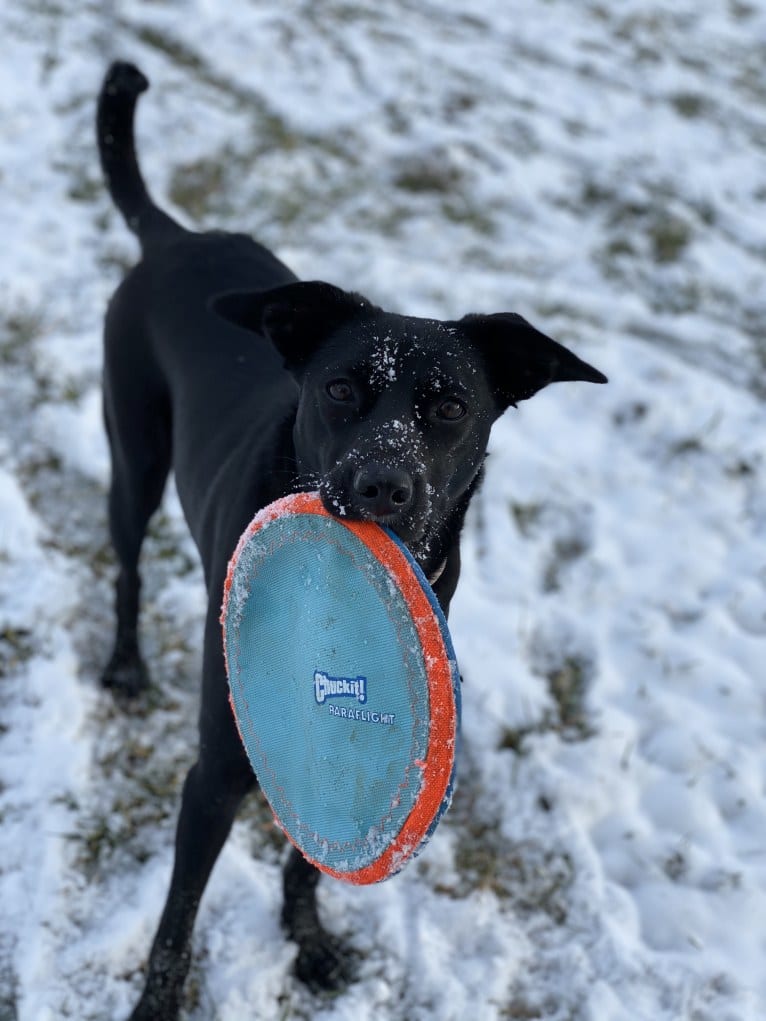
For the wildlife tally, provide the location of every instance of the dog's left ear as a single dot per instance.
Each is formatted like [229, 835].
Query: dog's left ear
[520, 359]
[296, 318]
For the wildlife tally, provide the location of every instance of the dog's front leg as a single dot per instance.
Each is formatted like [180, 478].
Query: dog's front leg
[323, 963]
[214, 789]
[210, 803]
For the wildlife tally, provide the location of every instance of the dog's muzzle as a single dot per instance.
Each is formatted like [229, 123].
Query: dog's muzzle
[374, 491]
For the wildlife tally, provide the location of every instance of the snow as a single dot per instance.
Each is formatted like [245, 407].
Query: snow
[601, 169]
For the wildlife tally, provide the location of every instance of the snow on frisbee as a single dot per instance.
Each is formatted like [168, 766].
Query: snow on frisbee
[344, 686]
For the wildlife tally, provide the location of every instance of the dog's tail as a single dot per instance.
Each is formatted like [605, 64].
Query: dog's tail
[122, 86]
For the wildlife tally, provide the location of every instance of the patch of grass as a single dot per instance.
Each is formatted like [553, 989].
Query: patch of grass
[482, 858]
[143, 749]
[514, 739]
[687, 445]
[179, 54]
[18, 329]
[749, 80]
[529, 1006]
[688, 104]
[565, 551]
[530, 877]
[741, 468]
[427, 173]
[676, 866]
[520, 1009]
[162, 545]
[619, 247]
[533, 878]
[656, 226]
[457, 210]
[675, 297]
[742, 11]
[668, 233]
[85, 187]
[595, 194]
[630, 414]
[15, 648]
[121, 829]
[94, 841]
[526, 517]
[568, 684]
[669, 236]
[193, 186]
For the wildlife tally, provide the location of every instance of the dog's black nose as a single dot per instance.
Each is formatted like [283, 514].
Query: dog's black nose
[382, 491]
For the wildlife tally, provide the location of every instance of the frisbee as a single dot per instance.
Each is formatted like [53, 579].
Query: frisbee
[344, 686]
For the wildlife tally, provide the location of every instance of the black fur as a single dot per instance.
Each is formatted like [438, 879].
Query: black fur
[251, 385]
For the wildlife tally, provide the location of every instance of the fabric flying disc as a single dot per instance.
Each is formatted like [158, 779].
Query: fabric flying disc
[344, 685]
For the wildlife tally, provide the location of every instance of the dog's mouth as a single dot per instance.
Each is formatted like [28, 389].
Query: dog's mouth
[341, 507]
[409, 530]
[407, 524]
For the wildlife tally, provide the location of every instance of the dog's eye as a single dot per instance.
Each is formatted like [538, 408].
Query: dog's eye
[340, 390]
[450, 409]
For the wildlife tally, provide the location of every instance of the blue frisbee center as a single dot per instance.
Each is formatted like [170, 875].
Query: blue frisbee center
[329, 687]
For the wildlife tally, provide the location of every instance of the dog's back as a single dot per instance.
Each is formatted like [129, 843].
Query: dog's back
[180, 382]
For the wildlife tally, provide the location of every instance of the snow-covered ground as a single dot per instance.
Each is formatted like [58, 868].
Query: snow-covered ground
[600, 168]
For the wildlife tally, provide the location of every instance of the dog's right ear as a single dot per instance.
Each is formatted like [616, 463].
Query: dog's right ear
[296, 318]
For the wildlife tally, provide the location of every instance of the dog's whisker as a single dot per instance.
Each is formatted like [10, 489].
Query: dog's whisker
[303, 480]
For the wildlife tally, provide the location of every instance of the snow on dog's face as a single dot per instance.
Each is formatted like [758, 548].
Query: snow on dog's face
[394, 412]
[394, 417]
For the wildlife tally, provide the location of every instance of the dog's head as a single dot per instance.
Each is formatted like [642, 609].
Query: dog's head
[394, 412]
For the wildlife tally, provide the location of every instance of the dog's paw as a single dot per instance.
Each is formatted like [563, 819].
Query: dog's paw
[153, 1010]
[325, 964]
[126, 676]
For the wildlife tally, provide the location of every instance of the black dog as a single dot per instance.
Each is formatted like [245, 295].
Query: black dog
[252, 385]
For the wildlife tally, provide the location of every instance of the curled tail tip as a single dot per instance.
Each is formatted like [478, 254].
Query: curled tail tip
[116, 109]
[124, 78]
